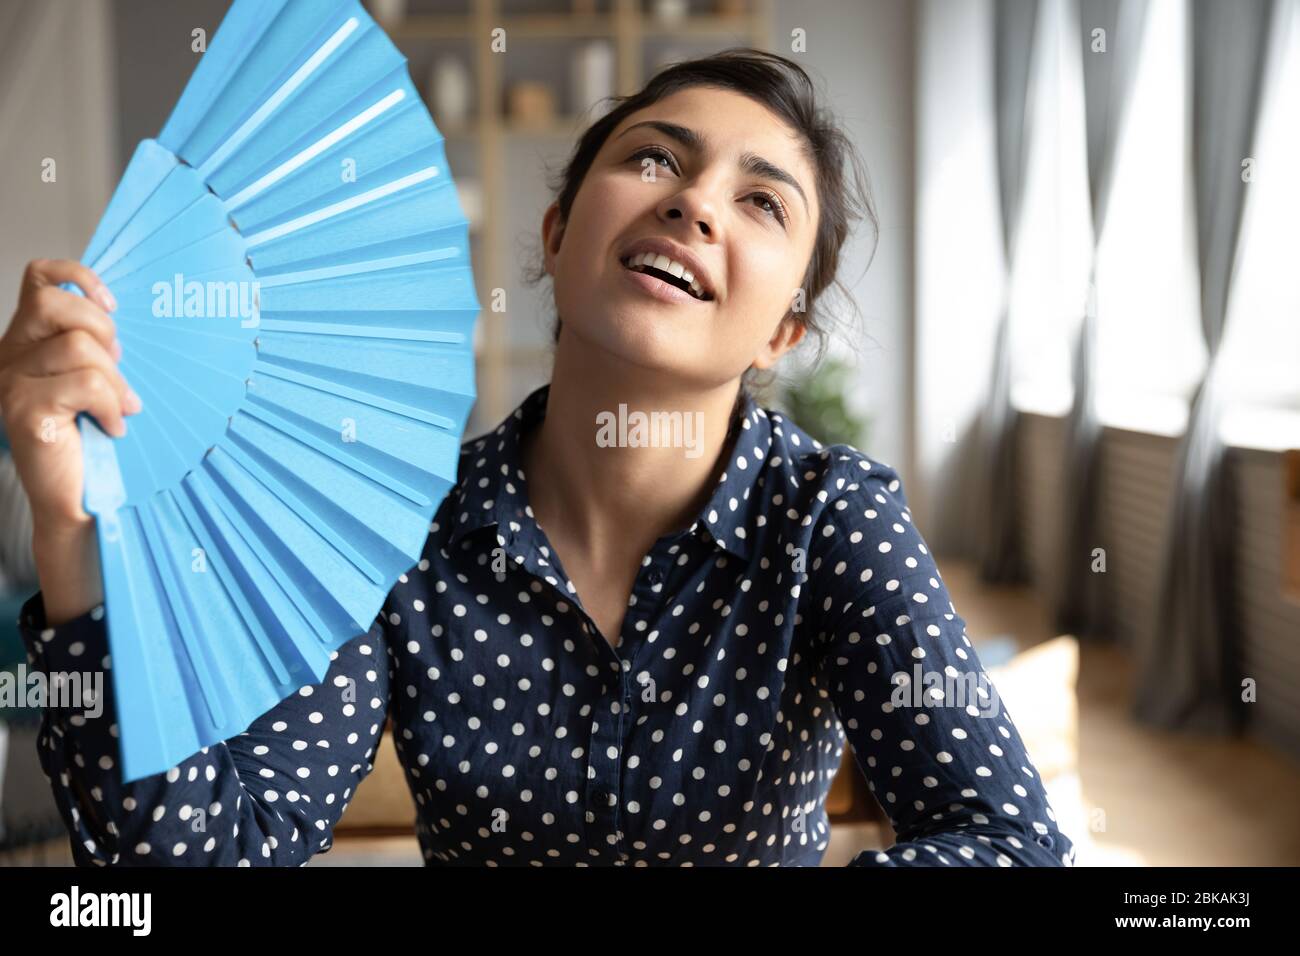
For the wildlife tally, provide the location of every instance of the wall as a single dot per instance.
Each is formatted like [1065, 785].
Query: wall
[154, 47]
[56, 102]
[861, 52]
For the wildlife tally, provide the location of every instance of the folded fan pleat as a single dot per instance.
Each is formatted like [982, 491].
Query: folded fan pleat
[297, 308]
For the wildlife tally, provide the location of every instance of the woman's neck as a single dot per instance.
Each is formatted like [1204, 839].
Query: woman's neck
[597, 478]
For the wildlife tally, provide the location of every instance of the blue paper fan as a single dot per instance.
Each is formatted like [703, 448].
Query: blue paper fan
[296, 308]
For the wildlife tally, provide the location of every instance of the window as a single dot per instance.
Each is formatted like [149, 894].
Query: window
[1052, 250]
[1150, 350]
[1259, 361]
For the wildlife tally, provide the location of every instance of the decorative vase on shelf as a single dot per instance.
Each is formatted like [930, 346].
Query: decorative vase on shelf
[449, 92]
[531, 104]
[671, 11]
[593, 78]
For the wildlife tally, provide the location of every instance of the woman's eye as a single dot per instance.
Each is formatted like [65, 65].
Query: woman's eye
[774, 204]
[656, 153]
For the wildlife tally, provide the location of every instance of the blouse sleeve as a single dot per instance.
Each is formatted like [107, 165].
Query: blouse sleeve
[269, 796]
[939, 752]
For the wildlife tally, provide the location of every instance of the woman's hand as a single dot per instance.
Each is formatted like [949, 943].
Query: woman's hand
[57, 358]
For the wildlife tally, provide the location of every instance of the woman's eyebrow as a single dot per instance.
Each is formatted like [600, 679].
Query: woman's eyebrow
[759, 166]
[749, 162]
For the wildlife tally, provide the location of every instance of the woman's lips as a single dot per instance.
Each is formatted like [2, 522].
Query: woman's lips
[661, 290]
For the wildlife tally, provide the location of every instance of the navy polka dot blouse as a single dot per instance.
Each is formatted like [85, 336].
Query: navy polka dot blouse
[800, 608]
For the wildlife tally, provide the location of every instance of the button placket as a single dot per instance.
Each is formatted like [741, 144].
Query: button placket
[643, 605]
[605, 768]
[524, 552]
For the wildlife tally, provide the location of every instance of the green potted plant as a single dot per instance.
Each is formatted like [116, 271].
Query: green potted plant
[815, 400]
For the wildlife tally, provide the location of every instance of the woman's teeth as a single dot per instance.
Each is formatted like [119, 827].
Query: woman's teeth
[645, 261]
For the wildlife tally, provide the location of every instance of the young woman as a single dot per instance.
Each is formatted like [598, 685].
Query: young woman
[611, 652]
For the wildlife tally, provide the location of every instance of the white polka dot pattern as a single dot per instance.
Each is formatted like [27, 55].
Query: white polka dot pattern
[801, 609]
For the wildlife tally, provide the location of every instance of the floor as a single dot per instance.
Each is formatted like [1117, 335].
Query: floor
[1165, 799]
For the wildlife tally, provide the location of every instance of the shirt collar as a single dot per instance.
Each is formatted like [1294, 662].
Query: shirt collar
[492, 488]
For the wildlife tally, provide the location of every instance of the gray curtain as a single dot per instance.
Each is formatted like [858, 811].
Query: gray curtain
[1015, 26]
[1109, 64]
[1189, 677]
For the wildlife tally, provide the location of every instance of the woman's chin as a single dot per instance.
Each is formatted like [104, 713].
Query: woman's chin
[638, 338]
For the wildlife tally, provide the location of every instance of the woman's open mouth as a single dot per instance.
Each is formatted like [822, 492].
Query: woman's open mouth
[663, 278]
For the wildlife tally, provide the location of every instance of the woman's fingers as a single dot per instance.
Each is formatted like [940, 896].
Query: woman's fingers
[54, 358]
[48, 400]
[48, 311]
[46, 272]
[57, 359]
[74, 350]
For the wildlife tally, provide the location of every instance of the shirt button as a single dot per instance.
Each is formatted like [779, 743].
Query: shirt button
[601, 795]
[656, 577]
[1045, 841]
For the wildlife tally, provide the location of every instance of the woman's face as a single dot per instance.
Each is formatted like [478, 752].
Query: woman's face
[725, 181]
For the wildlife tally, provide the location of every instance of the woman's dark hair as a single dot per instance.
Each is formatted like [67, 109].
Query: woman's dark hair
[783, 87]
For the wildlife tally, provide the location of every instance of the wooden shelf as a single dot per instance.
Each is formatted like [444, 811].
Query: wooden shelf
[567, 27]
[553, 26]
[702, 27]
[560, 126]
[430, 27]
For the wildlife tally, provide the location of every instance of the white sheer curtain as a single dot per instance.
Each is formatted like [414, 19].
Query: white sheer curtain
[1150, 351]
[1056, 235]
[1260, 354]
[1112, 33]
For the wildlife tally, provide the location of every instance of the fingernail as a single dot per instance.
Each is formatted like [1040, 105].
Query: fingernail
[106, 299]
[133, 403]
[117, 351]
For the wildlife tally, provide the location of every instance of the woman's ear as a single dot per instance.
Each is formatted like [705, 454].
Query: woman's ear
[788, 334]
[552, 235]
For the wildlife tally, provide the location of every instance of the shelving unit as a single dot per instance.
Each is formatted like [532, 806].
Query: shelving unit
[629, 25]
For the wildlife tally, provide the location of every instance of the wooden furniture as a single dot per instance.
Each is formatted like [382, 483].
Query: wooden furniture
[382, 805]
[1291, 533]
[849, 800]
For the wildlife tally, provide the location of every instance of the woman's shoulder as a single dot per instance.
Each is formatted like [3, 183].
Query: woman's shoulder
[836, 475]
